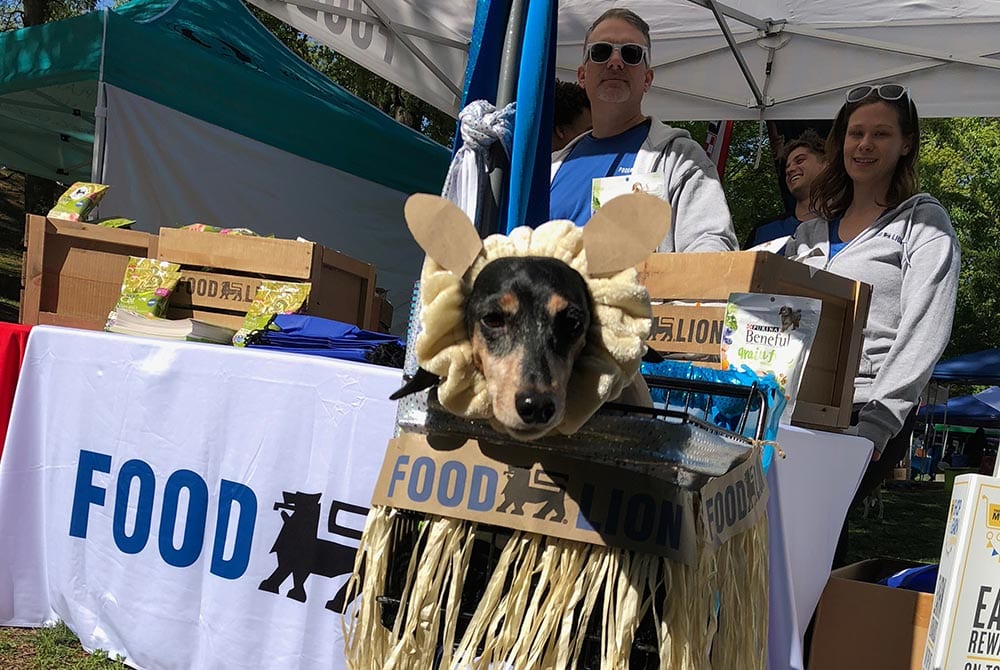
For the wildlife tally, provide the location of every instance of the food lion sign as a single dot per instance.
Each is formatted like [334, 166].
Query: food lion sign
[551, 494]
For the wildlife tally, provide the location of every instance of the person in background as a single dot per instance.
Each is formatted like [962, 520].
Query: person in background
[624, 142]
[875, 226]
[804, 158]
[571, 116]
[975, 448]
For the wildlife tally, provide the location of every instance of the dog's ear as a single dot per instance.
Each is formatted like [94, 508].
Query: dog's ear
[443, 231]
[420, 381]
[623, 232]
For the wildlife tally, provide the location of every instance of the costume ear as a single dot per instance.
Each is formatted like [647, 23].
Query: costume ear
[624, 231]
[443, 231]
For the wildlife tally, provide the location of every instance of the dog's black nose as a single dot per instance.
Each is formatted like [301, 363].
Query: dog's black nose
[535, 407]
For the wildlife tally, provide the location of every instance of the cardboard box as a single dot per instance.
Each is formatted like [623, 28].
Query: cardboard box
[72, 272]
[861, 625]
[965, 622]
[221, 273]
[700, 279]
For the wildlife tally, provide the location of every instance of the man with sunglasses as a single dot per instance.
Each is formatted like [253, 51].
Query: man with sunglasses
[627, 151]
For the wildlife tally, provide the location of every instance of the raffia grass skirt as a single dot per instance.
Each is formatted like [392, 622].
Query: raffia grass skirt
[541, 595]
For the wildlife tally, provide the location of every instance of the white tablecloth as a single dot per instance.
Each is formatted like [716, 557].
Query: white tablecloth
[140, 488]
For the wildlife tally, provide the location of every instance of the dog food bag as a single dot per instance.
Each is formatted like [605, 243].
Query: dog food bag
[78, 201]
[272, 298]
[115, 222]
[147, 286]
[770, 334]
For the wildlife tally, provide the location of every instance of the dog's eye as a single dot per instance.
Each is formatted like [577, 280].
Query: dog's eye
[494, 320]
[570, 322]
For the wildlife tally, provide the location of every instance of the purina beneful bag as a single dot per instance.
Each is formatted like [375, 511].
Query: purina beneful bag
[771, 333]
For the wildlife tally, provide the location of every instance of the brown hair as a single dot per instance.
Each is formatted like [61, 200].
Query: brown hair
[626, 15]
[809, 139]
[833, 189]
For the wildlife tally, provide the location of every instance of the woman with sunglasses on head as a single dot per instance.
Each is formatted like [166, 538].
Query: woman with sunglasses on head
[874, 226]
[625, 143]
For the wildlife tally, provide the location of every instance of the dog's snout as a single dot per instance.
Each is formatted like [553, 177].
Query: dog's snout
[535, 407]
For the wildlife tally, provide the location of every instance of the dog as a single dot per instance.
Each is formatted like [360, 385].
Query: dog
[528, 317]
[790, 318]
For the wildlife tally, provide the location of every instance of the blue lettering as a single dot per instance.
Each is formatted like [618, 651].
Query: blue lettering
[424, 463]
[483, 498]
[85, 493]
[719, 520]
[244, 498]
[671, 519]
[397, 474]
[614, 511]
[584, 521]
[134, 469]
[730, 506]
[639, 517]
[458, 491]
[194, 523]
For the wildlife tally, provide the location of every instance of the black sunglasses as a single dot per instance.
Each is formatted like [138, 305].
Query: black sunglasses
[632, 54]
[887, 92]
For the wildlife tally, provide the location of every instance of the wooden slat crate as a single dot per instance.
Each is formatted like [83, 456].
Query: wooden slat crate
[826, 393]
[72, 272]
[221, 273]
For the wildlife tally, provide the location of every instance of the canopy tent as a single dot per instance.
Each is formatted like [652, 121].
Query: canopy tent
[192, 111]
[980, 367]
[772, 59]
[981, 409]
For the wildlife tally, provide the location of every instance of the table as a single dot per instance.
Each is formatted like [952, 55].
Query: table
[155, 492]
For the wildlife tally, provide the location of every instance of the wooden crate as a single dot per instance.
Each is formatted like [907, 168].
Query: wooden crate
[826, 393]
[220, 275]
[381, 320]
[72, 272]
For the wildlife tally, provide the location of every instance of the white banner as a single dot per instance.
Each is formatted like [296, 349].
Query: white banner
[154, 495]
[188, 506]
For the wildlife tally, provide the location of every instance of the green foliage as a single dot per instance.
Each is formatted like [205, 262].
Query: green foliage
[960, 165]
[47, 648]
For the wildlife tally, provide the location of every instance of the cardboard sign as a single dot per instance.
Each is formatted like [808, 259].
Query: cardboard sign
[965, 619]
[539, 492]
[734, 502]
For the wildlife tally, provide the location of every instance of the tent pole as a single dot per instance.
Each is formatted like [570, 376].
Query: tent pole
[509, 64]
[100, 114]
[737, 54]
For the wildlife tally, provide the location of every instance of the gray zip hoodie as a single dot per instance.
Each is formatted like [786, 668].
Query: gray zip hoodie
[910, 256]
[700, 217]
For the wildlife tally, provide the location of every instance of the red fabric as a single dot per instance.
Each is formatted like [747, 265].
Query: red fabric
[13, 340]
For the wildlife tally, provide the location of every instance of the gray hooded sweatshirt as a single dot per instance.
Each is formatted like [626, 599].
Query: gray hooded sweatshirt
[700, 217]
[910, 256]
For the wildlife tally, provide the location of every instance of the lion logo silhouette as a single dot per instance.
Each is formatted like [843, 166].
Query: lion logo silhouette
[300, 552]
[547, 488]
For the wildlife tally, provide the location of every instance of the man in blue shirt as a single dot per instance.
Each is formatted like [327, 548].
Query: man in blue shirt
[805, 158]
[633, 150]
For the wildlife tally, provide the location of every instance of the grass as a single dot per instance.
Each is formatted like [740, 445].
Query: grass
[53, 648]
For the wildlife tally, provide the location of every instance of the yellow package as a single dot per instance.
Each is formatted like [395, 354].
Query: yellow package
[272, 298]
[147, 285]
[78, 201]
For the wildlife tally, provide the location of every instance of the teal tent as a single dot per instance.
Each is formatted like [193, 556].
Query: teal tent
[192, 111]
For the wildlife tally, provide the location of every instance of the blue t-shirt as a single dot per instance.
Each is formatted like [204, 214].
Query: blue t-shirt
[835, 243]
[774, 230]
[570, 193]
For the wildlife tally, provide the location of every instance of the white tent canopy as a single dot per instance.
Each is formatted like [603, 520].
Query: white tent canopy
[781, 59]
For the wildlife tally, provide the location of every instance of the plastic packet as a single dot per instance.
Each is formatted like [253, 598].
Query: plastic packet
[771, 333]
[147, 286]
[78, 201]
[272, 298]
[205, 228]
[115, 222]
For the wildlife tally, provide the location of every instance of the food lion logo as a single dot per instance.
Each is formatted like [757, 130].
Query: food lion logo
[300, 551]
[528, 485]
[992, 536]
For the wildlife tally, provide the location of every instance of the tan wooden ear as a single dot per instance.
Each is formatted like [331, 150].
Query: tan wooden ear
[443, 231]
[623, 232]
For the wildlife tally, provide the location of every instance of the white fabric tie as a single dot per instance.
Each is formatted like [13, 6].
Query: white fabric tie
[468, 181]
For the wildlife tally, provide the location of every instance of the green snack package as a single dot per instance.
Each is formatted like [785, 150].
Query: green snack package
[78, 201]
[115, 222]
[147, 285]
[272, 297]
